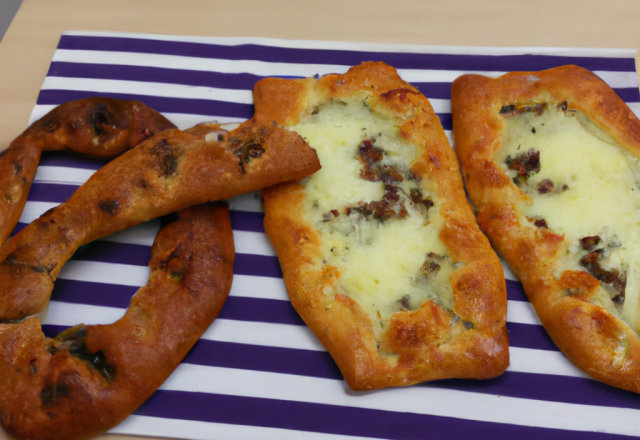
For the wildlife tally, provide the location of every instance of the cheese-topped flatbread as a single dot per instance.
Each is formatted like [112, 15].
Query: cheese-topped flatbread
[551, 163]
[380, 251]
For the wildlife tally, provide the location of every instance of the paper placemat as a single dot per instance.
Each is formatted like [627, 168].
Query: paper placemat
[258, 372]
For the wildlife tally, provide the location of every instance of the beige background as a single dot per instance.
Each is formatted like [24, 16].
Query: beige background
[28, 45]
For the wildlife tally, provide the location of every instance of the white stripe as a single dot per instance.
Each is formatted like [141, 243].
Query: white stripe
[62, 175]
[147, 88]
[529, 360]
[263, 68]
[107, 273]
[70, 314]
[249, 286]
[418, 400]
[373, 47]
[143, 234]
[265, 334]
[33, 210]
[156, 426]
[507, 271]
[255, 243]
[523, 360]
[251, 202]
[522, 312]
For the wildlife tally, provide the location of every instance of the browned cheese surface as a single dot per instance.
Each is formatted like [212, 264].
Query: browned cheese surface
[167, 172]
[594, 339]
[97, 127]
[90, 378]
[424, 343]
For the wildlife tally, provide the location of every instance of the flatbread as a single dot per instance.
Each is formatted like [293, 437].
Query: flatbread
[551, 163]
[380, 251]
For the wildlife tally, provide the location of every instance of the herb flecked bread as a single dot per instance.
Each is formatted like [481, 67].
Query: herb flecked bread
[551, 163]
[380, 251]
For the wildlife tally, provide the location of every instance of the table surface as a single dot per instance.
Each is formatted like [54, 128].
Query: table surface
[30, 41]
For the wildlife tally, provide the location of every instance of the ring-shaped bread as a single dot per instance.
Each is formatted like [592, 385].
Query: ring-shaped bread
[96, 127]
[551, 163]
[166, 173]
[90, 378]
[380, 251]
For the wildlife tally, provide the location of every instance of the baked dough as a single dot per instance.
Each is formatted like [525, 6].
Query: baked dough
[551, 163]
[168, 172]
[96, 127]
[380, 251]
[90, 378]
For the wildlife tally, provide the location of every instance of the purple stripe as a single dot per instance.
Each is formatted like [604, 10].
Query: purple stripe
[515, 291]
[111, 252]
[334, 419]
[161, 104]
[529, 336]
[399, 60]
[258, 265]
[260, 310]
[95, 294]
[47, 192]
[247, 221]
[233, 81]
[70, 160]
[259, 358]
[319, 364]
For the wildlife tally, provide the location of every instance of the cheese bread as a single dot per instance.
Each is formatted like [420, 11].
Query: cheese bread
[380, 251]
[551, 163]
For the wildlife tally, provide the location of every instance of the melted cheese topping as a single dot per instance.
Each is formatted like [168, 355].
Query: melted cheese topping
[380, 260]
[595, 192]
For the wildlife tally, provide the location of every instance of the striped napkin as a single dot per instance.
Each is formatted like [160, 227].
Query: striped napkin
[258, 372]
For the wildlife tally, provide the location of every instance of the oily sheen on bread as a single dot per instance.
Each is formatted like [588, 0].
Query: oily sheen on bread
[380, 251]
[551, 163]
[90, 378]
[166, 173]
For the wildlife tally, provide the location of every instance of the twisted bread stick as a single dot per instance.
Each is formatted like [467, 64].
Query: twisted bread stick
[97, 127]
[89, 378]
[168, 172]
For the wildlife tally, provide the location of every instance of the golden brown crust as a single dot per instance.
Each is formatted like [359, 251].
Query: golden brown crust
[591, 337]
[164, 174]
[96, 127]
[423, 344]
[90, 378]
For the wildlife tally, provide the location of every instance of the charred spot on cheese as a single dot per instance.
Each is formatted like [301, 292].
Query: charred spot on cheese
[373, 213]
[586, 190]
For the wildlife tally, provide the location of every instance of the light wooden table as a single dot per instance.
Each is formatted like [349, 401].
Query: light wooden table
[28, 45]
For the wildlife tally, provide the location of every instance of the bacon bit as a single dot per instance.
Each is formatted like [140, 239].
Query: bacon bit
[545, 186]
[416, 198]
[615, 280]
[430, 266]
[541, 223]
[508, 111]
[390, 206]
[404, 302]
[525, 164]
[327, 217]
[589, 243]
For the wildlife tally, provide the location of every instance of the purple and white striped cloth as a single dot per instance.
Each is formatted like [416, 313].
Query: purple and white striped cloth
[258, 372]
